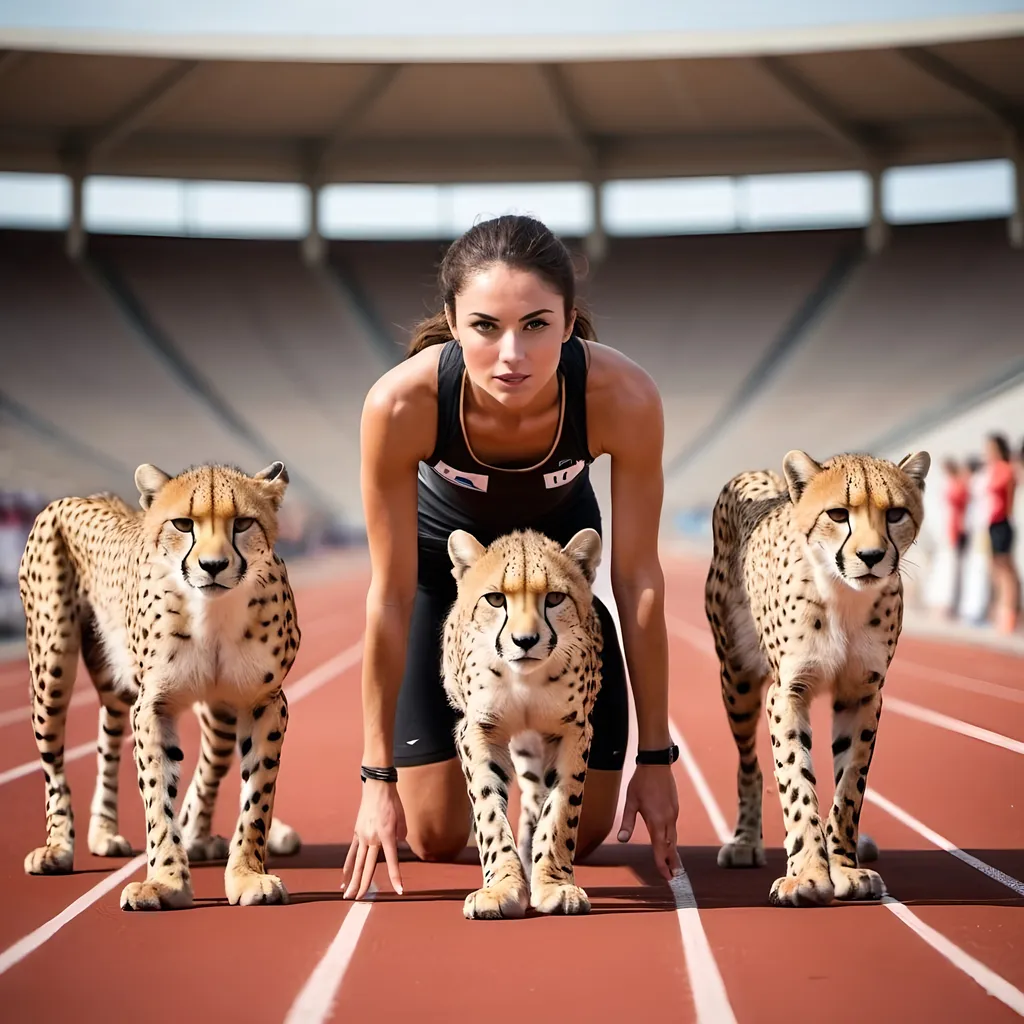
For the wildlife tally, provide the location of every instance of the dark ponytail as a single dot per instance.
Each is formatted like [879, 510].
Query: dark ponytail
[523, 243]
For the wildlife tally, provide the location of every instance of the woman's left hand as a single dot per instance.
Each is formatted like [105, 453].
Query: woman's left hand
[652, 792]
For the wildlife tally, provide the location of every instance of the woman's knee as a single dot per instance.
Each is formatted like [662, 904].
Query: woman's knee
[597, 817]
[436, 807]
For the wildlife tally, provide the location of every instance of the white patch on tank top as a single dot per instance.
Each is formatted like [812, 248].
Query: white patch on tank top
[563, 476]
[472, 481]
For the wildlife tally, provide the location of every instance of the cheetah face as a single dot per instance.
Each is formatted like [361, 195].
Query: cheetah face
[214, 527]
[525, 598]
[859, 515]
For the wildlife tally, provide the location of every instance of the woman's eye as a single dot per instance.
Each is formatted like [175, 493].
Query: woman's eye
[183, 525]
[482, 325]
[554, 599]
[838, 515]
[243, 524]
[536, 325]
[495, 600]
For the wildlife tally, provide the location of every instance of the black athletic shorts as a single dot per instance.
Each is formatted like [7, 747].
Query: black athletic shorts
[1001, 537]
[425, 721]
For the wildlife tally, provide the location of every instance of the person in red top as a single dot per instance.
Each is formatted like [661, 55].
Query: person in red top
[1000, 486]
[957, 497]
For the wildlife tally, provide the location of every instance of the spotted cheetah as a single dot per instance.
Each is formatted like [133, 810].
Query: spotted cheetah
[804, 595]
[522, 668]
[182, 603]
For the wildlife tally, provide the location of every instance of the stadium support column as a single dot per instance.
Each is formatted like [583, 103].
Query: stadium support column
[314, 249]
[595, 245]
[876, 235]
[74, 240]
[1016, 223]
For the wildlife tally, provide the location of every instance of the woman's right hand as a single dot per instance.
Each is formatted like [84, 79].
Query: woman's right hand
[380, 825]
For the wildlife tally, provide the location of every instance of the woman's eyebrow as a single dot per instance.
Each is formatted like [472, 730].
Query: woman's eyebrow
[529, 316]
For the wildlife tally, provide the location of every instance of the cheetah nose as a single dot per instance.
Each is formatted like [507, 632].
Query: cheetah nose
[213, 567]
[871, 557]
[525, 641]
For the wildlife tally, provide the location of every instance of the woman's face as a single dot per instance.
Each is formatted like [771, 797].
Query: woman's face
[511, 325]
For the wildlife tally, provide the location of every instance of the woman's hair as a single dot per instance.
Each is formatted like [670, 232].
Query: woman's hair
[522, 243]
[999, 440]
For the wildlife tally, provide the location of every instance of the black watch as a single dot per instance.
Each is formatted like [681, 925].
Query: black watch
[667, 756]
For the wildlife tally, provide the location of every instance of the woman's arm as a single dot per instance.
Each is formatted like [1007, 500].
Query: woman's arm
[625, 421]
[397, 430]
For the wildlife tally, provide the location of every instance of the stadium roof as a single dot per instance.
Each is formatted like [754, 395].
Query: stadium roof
[600, 107]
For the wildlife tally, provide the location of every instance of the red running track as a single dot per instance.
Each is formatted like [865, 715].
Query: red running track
[951, 948]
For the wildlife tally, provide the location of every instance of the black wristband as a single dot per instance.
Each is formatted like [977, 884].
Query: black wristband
[378, 774]
[667, 756]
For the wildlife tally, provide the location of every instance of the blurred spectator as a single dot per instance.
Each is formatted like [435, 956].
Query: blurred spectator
[1000, 486]
[957, 497]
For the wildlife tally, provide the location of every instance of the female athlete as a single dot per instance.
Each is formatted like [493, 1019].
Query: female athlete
[490, 424]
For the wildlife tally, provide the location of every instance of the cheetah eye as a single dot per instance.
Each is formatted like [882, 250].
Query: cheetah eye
[182, 525]
[554, 599]
[243, 523]
[496, 600]
[838, 515]
[895, 515]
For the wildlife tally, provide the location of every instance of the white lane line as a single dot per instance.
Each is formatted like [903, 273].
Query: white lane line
[699, 639]
[954, 679]
[23, 714]
[32, 941]
[976, 971]
[35, 765]
[991, 982]
[710, 998]
[309, 683]
[940, 721]
[315, 1003]
[874, 797]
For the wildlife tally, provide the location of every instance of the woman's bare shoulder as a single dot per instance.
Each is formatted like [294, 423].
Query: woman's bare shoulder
[401, 405]
[622, 398]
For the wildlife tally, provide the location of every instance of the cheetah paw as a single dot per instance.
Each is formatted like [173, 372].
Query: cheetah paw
[494, 903]
[108, 844]
[806, 890]
[201, 849]
[741, 855]
[254, 887]
[567, 899]
[283, 840]
[857, 883]
[50, 860]
[153, 895]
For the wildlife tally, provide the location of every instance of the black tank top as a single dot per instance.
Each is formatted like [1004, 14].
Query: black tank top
[458, 492]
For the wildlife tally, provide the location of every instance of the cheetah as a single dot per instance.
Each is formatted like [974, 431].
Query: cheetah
[522, 667]
[804, 594]
[184, 603]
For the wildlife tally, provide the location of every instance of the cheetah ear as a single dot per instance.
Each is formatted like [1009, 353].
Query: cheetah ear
[799, 469]
[585, 550]
[463, 549]
[149, 480]
[916, 466]
[274, 479]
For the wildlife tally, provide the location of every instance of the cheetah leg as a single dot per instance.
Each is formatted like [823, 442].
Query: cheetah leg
[261, 738]
[53, 640]
[216, 749]
[528, 760]
[487, 765]
[853, 744]
[742, 698]
[168, 883]
[104, 838]
[553, 884]
[807, 879]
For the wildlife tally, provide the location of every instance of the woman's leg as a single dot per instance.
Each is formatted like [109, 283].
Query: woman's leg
[436, 805]
[608, 747]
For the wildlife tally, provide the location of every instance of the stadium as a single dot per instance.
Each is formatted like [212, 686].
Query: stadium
[217, 232]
